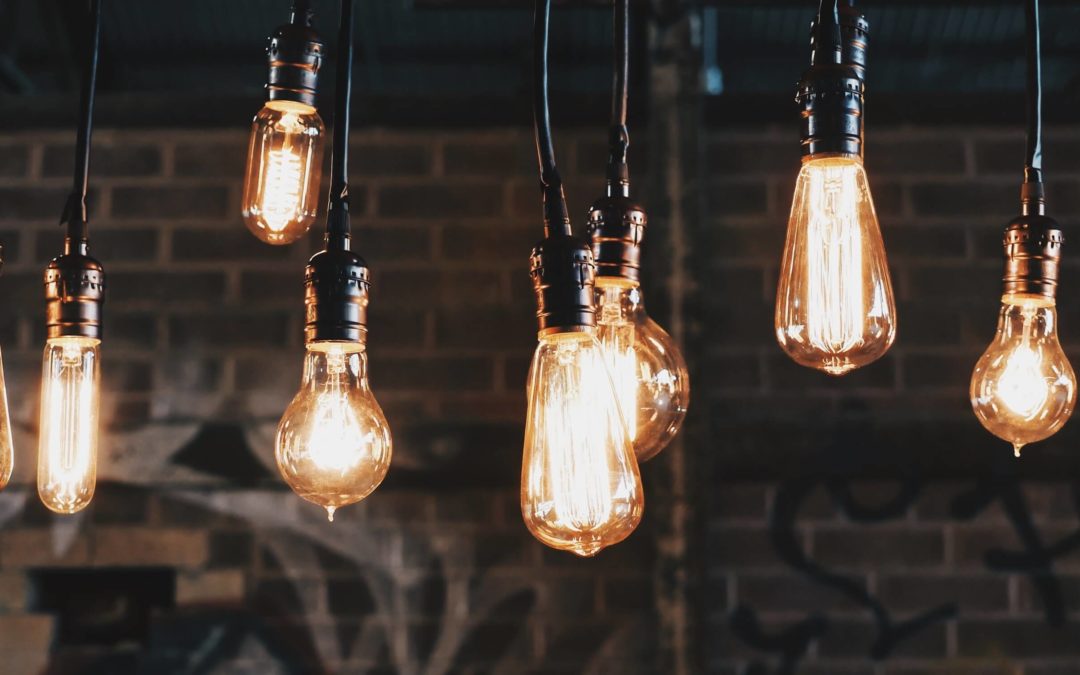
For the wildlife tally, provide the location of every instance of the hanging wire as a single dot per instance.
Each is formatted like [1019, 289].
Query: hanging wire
[1033, 157]
[618, 172]
[302, 12]
[828, 42]
[555, 212]
[75, 214]
[337, 219]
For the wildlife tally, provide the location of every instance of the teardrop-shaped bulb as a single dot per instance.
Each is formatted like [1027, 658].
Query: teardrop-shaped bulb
[834, 302]
[1023, 388]
[284, 167]
[580, 486]
[333, 443]
[647, 367]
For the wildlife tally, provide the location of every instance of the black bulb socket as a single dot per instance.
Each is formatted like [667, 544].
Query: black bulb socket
[336, 287]
[616, 227]
[295, 54]
[74, 295]
[830, 99]
[854, 38]
[1032, 255]
[563, 274]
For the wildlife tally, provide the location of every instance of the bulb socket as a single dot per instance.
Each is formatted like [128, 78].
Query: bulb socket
[336, 287]
[74, 296]
[831, 95]
[616, 227]
[563, 274]
[1032, 255]
[295, 55]
[854, 36]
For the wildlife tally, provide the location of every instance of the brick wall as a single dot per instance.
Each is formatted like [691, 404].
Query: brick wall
[860, 525]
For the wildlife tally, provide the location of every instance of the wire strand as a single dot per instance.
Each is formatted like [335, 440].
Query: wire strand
[555, 212]
[337, 213]
[302, 12]
[618, 172]
[1033, 162]
[75, 212]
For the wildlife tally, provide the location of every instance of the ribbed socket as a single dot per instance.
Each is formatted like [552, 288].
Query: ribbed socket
[831, 100]
[563, 274]
[854, 35]
[616, 227]
[295, 55]
[74, 295]
[1032, 255]
[336, 287]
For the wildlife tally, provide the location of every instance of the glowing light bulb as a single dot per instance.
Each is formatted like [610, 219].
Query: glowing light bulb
[7, 452]
[834, 303]
[333, 443]
[67, 453]
[284, 168]
[1023, 389]
[648, 370]
[580, 486]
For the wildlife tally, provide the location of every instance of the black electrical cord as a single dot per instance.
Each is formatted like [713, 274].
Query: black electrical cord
[556, 216]
[828, 42]
[618, 172]
[302, 12]
[1033, 194]
[337, 215]
[75, 215]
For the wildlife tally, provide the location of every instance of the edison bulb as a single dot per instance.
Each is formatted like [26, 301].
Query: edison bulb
[67, 452]
[580, 486]
[333, 443]
[647, 368]
[1023, 389]
[284, 167]
[834, 302]
[7, 452]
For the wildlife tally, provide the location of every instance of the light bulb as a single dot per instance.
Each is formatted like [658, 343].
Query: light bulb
[580, 486]
[648, 370]
[7, 453]
[834, 303]
[284, 167]
[1023, 389]
[333, 443]
[67, 452]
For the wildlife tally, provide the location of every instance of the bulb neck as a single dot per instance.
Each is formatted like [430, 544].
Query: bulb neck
[616, 228]
[74, 294]
[563, 273]
[336, 288]
[295, 56]
[1032, 256]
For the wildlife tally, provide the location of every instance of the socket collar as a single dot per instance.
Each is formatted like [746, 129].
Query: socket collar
[1032, 255]
[616, 227]
[563, 274]
[74, 295]
[295, 55]
[336, 288]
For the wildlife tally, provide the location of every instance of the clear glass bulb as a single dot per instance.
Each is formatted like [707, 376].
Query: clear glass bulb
[68, 447]
[1023, 389]
[284, 167]
[648, 370]
[333, 443]
[580, 486]
[834, 303]
[7, 452]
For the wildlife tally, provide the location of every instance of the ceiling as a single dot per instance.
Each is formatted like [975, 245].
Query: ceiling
[202, 57]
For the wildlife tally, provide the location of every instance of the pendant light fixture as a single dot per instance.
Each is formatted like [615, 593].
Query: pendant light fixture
[71, 368]
[1023, 389]
[284, 163]
[649, 371]
[580, 486]
[834, 301]
[333, 442]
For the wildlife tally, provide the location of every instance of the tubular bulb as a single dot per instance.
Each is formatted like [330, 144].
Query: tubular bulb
[1023, 389]
[580, 486]
[70, 393]
[333, 443]
[648, 370]
[834, 302]
[284, 168]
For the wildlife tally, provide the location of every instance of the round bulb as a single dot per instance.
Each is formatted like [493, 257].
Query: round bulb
[648, 370]
[67, 451]
[834, 302]
[580, 486]
[284, 168]
[333, 443]
[1023, 388]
